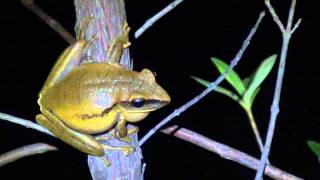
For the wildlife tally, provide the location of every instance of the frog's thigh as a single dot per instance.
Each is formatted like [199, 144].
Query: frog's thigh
[83, 142]
[70, 57]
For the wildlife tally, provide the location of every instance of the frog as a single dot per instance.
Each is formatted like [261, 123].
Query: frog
[80, 100]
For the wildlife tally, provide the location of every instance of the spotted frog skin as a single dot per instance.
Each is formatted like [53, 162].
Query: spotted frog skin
[78, 101]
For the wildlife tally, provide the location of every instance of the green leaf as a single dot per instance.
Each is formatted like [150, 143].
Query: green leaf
[254, 95]
[232, 77]
[246, 81]
[315, 147]
[228, 93]
[219, 89]
[260, 74]
[201, 81]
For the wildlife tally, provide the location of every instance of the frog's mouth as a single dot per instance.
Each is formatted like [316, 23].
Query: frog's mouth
[149, 105]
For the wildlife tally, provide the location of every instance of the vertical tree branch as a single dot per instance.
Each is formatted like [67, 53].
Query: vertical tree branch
[109, 18]
[286, 35]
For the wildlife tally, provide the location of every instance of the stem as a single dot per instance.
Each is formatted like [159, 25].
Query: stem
[156, 17]
[49, 20]
[286, 35]
[254, 128]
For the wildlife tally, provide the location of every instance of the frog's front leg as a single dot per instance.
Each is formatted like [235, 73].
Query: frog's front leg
[118, 44]
[113, 134]
[121, 131]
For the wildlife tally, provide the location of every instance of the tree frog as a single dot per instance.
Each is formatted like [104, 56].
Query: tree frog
[80, 100]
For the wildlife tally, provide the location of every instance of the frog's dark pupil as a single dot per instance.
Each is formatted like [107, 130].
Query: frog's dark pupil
[138, 102]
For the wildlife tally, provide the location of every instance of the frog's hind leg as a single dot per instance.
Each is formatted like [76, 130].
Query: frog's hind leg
[70, 57]
[82, 142]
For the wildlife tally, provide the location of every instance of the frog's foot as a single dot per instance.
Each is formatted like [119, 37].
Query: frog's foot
[122, 39]
[125, 35]
[105, 161]
[118, 44]
[82, 28]
[81, 33]
[125, 149]
[127, 138]
[133, 130]
[91, 40]
[89, 60]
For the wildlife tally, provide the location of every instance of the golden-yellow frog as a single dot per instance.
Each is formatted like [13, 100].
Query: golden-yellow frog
[78, 101]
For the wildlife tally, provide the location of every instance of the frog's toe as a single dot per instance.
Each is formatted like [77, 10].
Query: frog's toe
[125, 139]
[133, 130]
[128, 149]
[106, 162]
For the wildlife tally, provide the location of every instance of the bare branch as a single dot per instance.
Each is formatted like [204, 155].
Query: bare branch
[286, 36]
[24, 151]
[211, 87]
[274, 15]
[49, 20]
[156, 17]
[296, 25]
[25, 123]
[226, 152]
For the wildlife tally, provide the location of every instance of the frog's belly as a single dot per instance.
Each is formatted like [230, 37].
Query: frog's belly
[84, 119]
[80, 114]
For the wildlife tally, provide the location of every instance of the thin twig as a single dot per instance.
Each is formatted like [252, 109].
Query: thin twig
[286, 35]
[225, 152]
[156, 17]
[24, 151]
[49, 20]
[67, 36]
[296, 25]
[25, 123]
[211, 87]
[274, 15]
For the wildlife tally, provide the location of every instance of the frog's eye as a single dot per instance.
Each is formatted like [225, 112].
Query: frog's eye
[138, 102]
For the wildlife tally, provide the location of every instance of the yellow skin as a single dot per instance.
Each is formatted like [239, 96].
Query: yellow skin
[77, 101]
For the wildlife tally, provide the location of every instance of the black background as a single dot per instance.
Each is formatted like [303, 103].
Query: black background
[177, 46]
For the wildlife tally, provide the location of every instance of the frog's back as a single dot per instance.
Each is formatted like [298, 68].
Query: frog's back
[82, 95]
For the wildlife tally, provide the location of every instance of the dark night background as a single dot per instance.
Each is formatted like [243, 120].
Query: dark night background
[177, 46]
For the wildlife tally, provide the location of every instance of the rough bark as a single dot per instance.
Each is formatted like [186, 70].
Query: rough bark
[109, 18]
